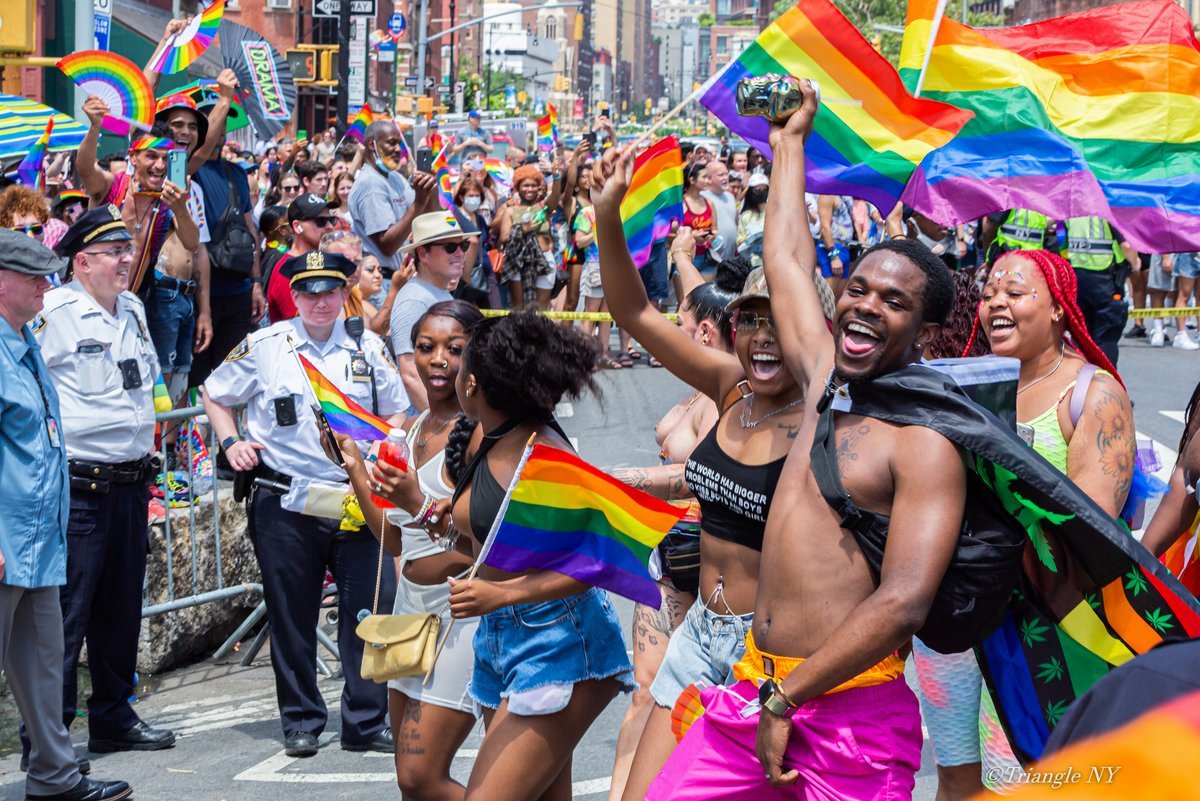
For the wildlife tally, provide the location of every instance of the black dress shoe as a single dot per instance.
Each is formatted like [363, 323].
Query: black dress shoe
[300, 744]
[383, 743]
[82, 762]
[88, 790]
[138, 737]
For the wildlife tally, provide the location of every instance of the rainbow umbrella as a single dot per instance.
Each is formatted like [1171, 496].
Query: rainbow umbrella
[23, 121]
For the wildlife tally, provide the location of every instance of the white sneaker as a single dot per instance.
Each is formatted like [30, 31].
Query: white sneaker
[1158, 338]
[1185, 342]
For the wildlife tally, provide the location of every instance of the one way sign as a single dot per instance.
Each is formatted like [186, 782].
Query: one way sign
[332, 8]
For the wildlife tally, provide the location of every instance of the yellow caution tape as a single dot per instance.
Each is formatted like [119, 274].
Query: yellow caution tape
[1178, 311]
[596, 317]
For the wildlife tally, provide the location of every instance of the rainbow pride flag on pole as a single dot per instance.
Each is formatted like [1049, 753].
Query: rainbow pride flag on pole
[343, 414]
[564, 515]
[30, 169]
[358, 126]
[867, 151]
[654, 199]
[441, 171]
[1096, 113]
[548, 129]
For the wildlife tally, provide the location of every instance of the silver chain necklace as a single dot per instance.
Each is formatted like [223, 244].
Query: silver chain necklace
[748, 410]
[1061, 352]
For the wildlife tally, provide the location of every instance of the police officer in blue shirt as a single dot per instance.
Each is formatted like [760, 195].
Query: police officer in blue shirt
[282, 453]
[97, 345]
[33, 542]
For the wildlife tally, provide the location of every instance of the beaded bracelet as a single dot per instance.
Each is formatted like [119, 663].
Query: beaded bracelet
[426, 512]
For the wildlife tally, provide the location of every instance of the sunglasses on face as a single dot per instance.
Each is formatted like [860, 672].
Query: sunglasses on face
[36, 229]
[290, 188]
[751, 321]
[323, 221]
[451, 247]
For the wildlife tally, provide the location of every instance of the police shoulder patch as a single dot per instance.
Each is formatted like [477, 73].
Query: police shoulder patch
[240, 351]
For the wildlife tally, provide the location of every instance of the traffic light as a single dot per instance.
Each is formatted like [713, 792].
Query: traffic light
[17, 27]
[579, 27]
[303, 64]
[648, 105]
[329, 64]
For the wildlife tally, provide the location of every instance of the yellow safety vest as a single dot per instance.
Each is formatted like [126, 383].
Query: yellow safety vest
[1091, 244]
[1023, 230]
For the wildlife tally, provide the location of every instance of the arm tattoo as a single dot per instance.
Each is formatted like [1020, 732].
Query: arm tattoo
[1116, 443]
[638, 478]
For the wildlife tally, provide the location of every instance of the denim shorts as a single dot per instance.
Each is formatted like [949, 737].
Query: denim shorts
[171, 327]
[705, 647]
[566, 641]
[1187, 265]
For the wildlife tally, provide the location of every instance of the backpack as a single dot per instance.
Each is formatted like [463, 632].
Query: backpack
[233, 244]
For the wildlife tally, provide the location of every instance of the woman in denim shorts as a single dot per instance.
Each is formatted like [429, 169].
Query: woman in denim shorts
[549, 653]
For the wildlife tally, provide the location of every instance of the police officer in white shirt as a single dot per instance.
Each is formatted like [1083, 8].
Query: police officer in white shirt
[282, 451]
[94, 338]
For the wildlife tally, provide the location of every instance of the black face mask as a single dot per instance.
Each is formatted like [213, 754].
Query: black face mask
[757, 196]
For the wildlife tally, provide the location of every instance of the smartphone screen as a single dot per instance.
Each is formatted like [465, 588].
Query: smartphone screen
[301, 135]
[177, 167]
[424, 159]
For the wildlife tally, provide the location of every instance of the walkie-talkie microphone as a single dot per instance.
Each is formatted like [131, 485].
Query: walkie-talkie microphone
[355, 328]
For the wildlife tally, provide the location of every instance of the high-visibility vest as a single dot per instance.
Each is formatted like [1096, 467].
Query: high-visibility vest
[1091, 244]
[1023, 229]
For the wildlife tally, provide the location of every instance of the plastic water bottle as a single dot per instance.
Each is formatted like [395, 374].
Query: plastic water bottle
[395, 452]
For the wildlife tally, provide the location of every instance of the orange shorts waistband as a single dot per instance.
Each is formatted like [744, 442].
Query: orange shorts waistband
[757, 666]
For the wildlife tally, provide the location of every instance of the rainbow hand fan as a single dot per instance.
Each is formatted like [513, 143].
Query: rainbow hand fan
[118, 82]
[189, 44]
[687, 710]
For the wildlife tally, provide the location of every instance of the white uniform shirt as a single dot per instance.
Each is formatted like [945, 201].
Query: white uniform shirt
[83, 346]
[262, 369]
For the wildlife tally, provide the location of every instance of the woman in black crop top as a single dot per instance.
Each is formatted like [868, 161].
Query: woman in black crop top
[732, 471]
[549, 654]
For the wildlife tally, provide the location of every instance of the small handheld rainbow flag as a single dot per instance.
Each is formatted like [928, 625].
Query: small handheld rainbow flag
[30, 169]
[405, 153]
[344, 415]
[500, 171]
[564, 515]
[162, 398]
[548, 129]
[358, 126]
[654, 199]
[441, 171]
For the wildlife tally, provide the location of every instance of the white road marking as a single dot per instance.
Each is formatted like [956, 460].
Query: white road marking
[1176, 416]
[574, 443]
[564, 410]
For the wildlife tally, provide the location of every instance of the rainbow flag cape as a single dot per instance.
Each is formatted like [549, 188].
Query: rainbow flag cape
[1096, 113]
[344, 415]
[868, 151]
[562, 514]
[1090, 596]
[441, 171]
[548, 129]
[162, 398]
[358, 126]
[654, 198]
[30, 169]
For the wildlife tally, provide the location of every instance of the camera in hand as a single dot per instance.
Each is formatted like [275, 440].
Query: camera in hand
[775, 97]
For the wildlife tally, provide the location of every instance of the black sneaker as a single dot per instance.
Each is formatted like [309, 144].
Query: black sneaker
[1136, 332]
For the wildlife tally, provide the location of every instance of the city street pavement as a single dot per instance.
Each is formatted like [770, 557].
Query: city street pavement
[229, 746]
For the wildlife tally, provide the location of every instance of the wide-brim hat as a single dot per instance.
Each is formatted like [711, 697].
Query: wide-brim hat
[179, 100]
[436, 226]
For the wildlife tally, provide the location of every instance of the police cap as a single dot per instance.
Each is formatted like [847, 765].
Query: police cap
[98, 225]
[317, 271]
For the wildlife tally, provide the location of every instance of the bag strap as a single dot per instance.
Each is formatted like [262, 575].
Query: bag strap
[379, 568]
[739, 391]
[1080, 391]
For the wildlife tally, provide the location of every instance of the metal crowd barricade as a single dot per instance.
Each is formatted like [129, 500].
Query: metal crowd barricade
[220, 591]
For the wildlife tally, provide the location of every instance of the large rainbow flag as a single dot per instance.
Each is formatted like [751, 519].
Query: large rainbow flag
[867, 151]
[1096, 113]
[564, 515]
[654, 198]
[343, 414]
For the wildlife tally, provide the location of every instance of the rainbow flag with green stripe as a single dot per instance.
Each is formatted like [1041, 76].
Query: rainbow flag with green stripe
[870, 134]
[654, 198]
[341, 412]
[564, 515]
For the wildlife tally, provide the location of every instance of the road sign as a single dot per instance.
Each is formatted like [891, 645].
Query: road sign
[429, 82]
[332, 8]
[460, 86]
[397, 24]
[411, 83]
[101, 23]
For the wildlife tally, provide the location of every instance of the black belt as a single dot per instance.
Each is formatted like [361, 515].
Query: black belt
[185, 288]
[98, 477]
